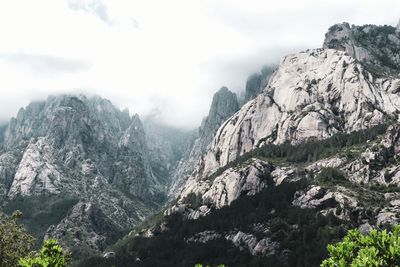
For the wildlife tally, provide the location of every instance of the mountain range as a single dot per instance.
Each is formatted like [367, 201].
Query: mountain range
[271, 177]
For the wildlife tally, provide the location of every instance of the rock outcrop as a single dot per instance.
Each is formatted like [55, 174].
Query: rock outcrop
[270, 204]
[312, 95]
[84, 148]
[224, 104]
[375, 46]
[256, 83]
[167, 146]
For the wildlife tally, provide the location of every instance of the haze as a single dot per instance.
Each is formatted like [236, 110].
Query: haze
[160, 56]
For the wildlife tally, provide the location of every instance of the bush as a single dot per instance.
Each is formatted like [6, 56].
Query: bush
[332, 175]
[309, 151]
[51, 255]
[378, 248]
[15, 242]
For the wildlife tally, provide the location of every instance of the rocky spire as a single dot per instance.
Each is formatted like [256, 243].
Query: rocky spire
[224, 105]
[398, 26]
[370, 44]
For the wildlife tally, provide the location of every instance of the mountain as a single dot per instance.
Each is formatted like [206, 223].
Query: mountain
[2, 130]
[167, 146]
[315, 154]
[312, 95]
[224, 104]
[256, 83]
[377, 47]
[79, 169]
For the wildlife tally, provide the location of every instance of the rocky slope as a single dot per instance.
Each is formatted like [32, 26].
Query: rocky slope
[84, 148]
[223, 105]
[317, 93]
[377, 47]
[167, 146]
[313, 94]
[296, 167]
[278, 210]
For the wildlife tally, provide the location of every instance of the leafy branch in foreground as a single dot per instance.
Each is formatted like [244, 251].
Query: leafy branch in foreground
[15, 241]
[51, 255]
[378, 248]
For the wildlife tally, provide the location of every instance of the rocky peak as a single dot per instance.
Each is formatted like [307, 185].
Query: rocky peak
[256, 83]
[375, 46]
[167, 146]
[66, 118]
[398, 26]
[312, 95]
[87, 149]
[71, 130]
[224, 105]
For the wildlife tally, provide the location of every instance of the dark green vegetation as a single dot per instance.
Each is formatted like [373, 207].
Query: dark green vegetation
[40, 212]
[302, 234]
[309, 151]
[15, 241]
[378, 248]
[379, 37]
[303, 231]
[16, 246]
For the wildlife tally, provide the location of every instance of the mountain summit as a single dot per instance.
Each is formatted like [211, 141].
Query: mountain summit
[311, 156]
[85, 149]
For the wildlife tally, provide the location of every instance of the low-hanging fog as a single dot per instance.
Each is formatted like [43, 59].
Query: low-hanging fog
[163, 56]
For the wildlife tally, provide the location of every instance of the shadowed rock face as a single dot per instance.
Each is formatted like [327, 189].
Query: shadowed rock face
[378, 47]
[85, 148]
[224, 104]
[256, 83]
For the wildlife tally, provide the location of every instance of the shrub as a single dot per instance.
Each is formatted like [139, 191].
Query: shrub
[331, 175]
[15, 242]
[378, 248]
[51, 255]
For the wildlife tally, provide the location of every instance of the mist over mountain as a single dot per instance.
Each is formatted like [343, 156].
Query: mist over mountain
[314, 154]
[193, 133]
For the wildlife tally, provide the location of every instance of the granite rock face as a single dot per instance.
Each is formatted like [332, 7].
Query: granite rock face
[312, 95]
[217, 192]
[375, 46]
[88, 227]
[224, 104]
[84, 148]
[167, 146]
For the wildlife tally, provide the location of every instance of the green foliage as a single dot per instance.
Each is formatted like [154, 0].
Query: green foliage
[201, 265]
[51, 255]
[378, 248]
[15, 242]
[303, 232]
[331, 175]
[308, 151]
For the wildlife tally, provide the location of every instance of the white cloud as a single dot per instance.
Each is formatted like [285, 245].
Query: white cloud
[170, 55]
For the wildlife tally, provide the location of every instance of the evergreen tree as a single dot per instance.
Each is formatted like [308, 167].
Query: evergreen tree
[15, 241]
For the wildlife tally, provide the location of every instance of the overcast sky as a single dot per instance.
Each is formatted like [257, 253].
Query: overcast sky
[163, 55]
